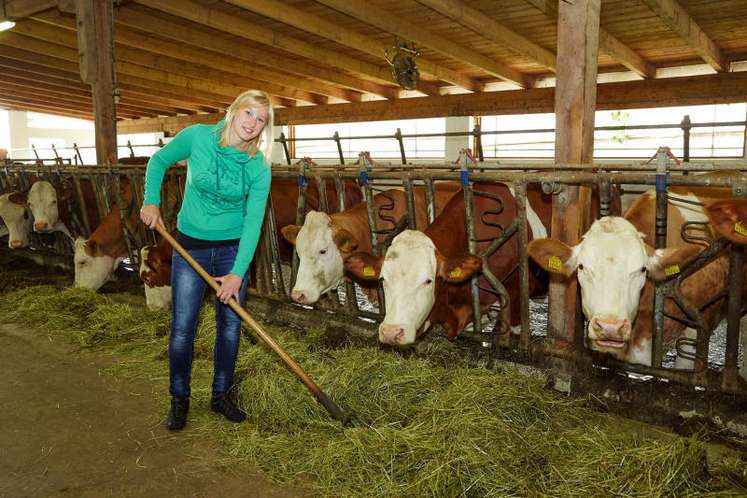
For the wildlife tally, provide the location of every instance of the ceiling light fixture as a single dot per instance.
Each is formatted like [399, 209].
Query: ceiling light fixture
[6, 25]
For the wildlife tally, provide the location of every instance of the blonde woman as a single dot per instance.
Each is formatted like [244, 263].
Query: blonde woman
[228, 180]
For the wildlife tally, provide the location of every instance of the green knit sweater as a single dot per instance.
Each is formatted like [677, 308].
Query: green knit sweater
[225, 193]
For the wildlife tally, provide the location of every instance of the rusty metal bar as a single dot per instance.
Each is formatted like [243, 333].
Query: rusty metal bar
[336, 138]
[734, 308]
[82, 204]
[275, 248]
[660, 241]
[520, 194]
[401, 142]
[365, 166]
[604, 198]
[469, 215]
[284, 142]
[410, 200]
[303, 183]
[430, 198]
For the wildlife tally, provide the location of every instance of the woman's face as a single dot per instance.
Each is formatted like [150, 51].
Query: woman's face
[248, 124]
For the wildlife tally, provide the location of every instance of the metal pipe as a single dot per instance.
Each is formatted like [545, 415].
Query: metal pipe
[410, 200]
[520, 193]
[336, 138]
[398, 136]
[660, 241]
[365, 165]
[300, 212]
[734, 308]
[469, 217]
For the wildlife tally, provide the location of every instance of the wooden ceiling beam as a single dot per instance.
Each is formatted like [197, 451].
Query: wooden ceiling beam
[216, 19]
[18, 9]
[25, 65]
[231, 84]
[607, 43]
[57, 111]
[29, 104]
[678, 20]
[226, 62]
[282, 12]
[368, 12]
[482, 24]
[219, 42]
[722, 88]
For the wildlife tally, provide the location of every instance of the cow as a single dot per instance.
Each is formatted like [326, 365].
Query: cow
[155, 272]
[54, 205]
[615, 263]
[425, 274]
[284, 194]
[323, 242]
[17, 221]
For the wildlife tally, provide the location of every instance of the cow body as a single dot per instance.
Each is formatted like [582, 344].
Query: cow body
[155, 272]
[612, 264]
[426, 274]
[325, 240]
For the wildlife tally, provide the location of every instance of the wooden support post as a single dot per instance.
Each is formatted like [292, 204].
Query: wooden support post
[575, 102]
[96, 49]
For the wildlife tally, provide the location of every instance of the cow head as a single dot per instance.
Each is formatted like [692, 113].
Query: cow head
[155, 272]
[92, 268]
[17, 220]
[43, 202]
[321, 248]
[411, 272]
[612, 262]
[729, 218]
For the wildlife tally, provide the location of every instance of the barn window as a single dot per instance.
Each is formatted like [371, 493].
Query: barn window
[385, 147]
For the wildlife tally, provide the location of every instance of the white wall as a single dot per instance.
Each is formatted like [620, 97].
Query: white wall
[20, 133]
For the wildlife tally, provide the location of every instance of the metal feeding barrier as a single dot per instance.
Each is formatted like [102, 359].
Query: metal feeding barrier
[371, 175]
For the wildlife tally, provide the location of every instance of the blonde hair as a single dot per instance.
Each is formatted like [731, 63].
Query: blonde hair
[264, 141]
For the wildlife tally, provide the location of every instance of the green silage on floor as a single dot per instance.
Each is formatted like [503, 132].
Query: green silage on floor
[431, 425]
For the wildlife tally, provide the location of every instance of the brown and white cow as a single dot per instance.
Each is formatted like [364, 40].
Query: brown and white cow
[155, 272]
[615, 257]
[17, 221]
[426, 274]
[325, 240]
[54, 205]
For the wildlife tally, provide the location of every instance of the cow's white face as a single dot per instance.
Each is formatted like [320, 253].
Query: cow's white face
[17, 220]
[611, 263]
[42, 201]
[91, 272]
[157, 297]
[409, 278]
[320, 261]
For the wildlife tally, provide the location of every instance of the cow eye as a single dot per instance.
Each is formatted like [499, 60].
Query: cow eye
[428, 281]
[643, 269]
[323, 251]
[580, 267]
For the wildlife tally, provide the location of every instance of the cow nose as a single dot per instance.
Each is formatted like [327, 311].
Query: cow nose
[608, 327]
[40, 226]
[16, 244]
[298, 296]
[391, 334]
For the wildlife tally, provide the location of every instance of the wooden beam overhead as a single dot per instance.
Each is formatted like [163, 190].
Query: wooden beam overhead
[15, 105]
[679, 21]
[406, 29]
[18, 9]
[219, 42]
[607, 43]
[722, 88]
[480, 23]
[45, 66]
[226, 62]
[198, 13]
[230, 83]
[282, 12]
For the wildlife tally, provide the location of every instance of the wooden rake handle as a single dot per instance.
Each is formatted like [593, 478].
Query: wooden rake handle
[334, 411]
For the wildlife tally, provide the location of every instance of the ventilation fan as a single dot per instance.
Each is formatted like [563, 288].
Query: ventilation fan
[404, 70]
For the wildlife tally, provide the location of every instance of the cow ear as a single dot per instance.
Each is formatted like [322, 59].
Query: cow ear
[92, 246]
[20, 198]
[552, 255]
[363, 266]
[345, 241]
[290, 232]
[668, 262]
[729, 218]
[458, 269]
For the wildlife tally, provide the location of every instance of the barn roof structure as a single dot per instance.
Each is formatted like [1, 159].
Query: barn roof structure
[181, 61]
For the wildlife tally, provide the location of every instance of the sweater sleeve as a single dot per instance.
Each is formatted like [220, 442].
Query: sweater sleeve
[177, 149]
[255, 215]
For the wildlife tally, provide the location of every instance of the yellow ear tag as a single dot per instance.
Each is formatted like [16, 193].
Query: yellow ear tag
[455, 273]
[671, 270]
[740, 229]
[368, 271]
[555, 263]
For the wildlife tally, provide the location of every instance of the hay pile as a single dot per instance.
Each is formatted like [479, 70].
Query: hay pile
[423, 426]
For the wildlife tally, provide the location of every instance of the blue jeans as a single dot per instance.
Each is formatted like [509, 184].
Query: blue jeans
[188, 289]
